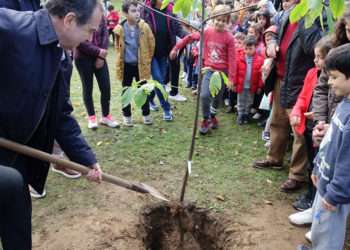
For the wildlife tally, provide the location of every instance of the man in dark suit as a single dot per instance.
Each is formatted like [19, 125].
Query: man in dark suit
[34, 102]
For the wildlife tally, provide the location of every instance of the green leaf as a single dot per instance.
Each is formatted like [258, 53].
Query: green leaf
[337, 7]
[140, 97]
[299, 11]
[127, 96]
[186, 8]
[215, 84]
[160, 87]
[164, 4]
[178, 6]
[225, 78]
[315, 12]
[314, 3]
[330, 20]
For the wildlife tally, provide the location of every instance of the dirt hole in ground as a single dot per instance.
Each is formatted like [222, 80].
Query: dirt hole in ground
[162, 223]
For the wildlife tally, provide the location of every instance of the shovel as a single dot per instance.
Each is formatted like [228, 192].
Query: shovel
[34, 153]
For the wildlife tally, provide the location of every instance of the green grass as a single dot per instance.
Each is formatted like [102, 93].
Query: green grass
[157, 155]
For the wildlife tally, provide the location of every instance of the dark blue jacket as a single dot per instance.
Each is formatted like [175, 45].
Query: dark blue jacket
[32, 86]
[174, 27]
[332, 161]
[20, 5]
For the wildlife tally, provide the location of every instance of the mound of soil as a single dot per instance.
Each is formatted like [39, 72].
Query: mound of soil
[169, 226]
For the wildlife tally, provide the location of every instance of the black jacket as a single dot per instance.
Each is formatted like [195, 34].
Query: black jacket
[20, 5]
[34, 102]
[299, 59]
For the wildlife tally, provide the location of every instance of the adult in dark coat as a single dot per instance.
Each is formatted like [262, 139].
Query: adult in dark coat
[20, 5]
[34, 102]
[293, 60]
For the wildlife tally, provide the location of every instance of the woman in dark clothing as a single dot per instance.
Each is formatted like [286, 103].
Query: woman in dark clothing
[90, 60]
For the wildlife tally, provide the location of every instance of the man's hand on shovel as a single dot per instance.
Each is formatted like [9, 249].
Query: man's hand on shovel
[95, 174]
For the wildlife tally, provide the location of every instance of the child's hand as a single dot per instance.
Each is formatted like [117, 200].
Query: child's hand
[103, 53]
[309, 115]
[314, 180]
[232, 87]
[272, 50]
[99, 63]
[205, 69]
[173, 54]
[329, 207]
[319, 132]
[259, 91]
[294, 120]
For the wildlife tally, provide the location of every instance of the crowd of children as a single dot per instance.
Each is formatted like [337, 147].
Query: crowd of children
[148, 42]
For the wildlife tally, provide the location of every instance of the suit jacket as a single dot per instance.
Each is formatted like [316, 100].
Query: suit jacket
[34, 102]
[20, 5]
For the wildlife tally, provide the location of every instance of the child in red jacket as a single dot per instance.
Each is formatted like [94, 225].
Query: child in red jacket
[301, 117]
[112, 21]
[219, 55]
[248, 78]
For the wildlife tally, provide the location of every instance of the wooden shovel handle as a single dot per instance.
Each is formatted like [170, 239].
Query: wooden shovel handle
[34, 153]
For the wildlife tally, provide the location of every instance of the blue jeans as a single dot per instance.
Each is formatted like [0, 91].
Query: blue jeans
[209, 103]
[159, 70]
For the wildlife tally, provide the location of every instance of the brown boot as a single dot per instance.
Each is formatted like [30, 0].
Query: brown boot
[291, 185]
[267, 164]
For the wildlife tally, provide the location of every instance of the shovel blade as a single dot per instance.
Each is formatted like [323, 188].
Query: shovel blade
[152, 191]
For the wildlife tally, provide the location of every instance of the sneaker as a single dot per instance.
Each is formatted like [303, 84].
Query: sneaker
[167, 88]
[227, 102]
[256, 116]
[92, 122]
[214, 123]
[262, 123]
[265, 136]
[71, 174]
[301, 219]
[253, 111]
[240, 120]
[245, 119]
[109, 122]
[308, 237]
[153, 106]
[147, 120]
[127, 121]
[205, 127]
[35, 194]
[304, 202]
[178, 98]
[168, 116]
[229, 110]
[303, 247]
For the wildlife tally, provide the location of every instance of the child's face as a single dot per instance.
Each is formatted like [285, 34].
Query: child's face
[286, 4]
[220, 23]
[239, 43]
[339, 83]
[347, 28]
[133, 15]
[268, 37]
[262, 21]
[251, 32]
[319, 59]
[249, 50]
